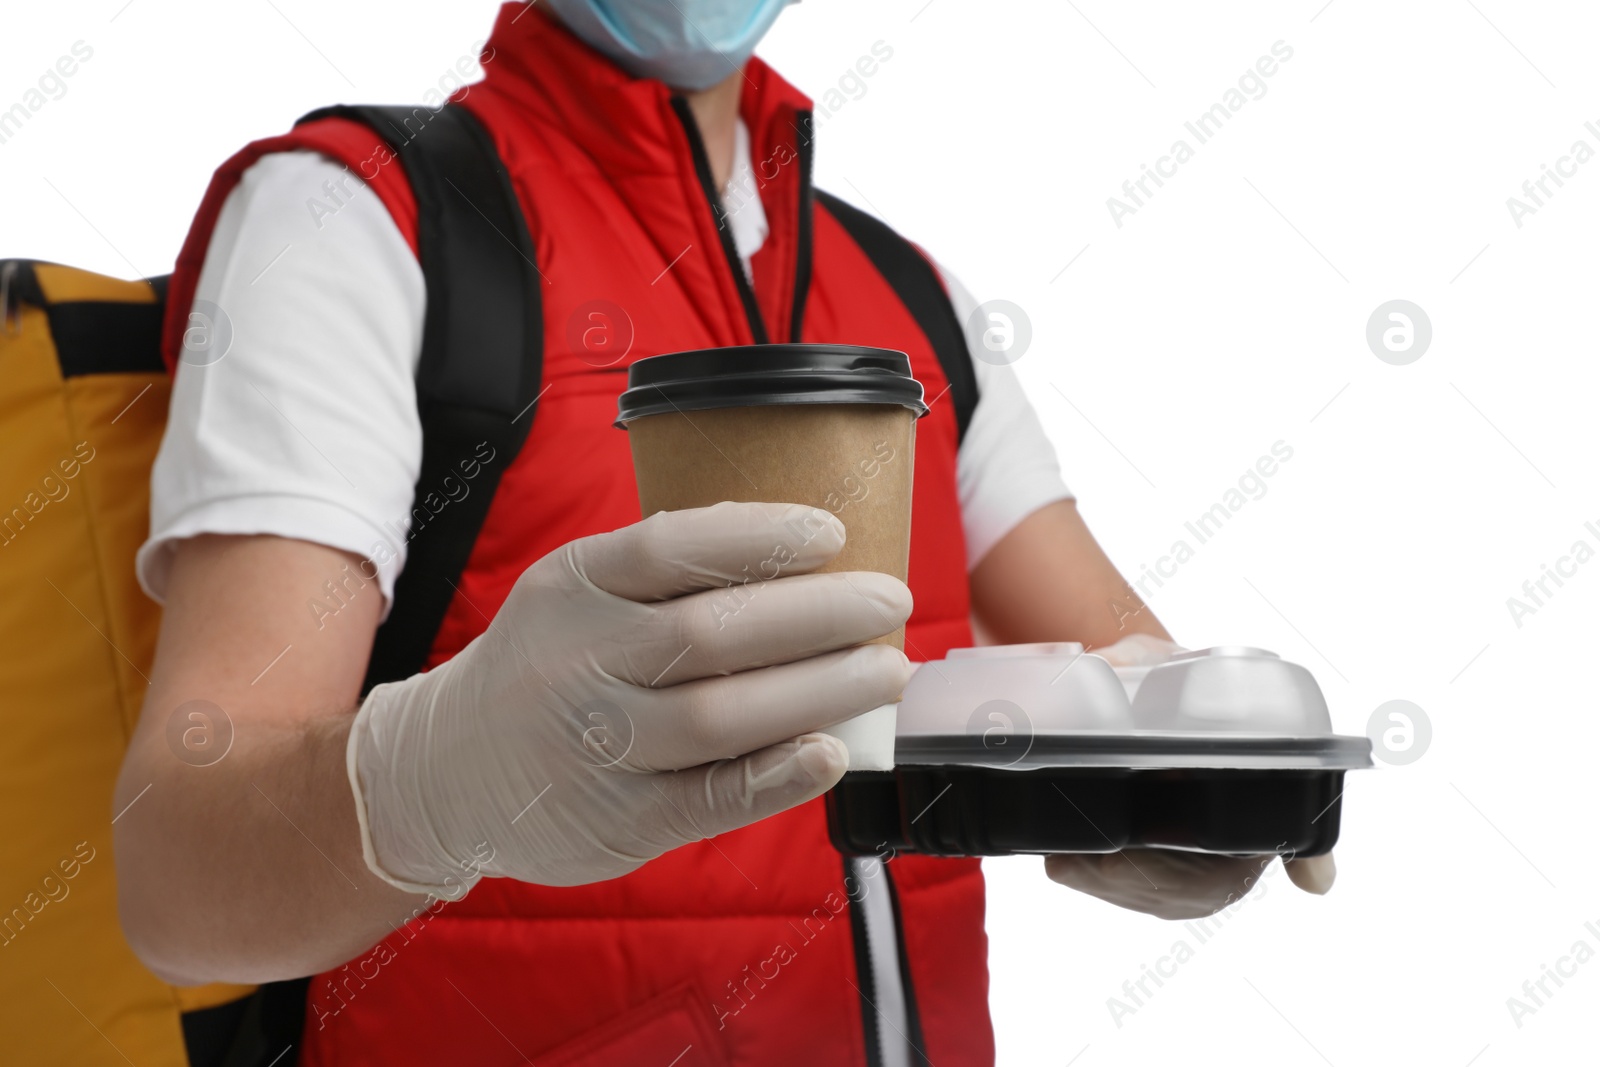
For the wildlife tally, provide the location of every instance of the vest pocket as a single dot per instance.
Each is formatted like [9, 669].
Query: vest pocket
[674, 1028]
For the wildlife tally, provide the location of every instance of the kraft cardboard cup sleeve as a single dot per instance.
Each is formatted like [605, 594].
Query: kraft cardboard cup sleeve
[830, 426]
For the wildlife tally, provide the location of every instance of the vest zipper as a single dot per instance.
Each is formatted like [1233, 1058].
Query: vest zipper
[803, 131]
[863, 953]
[708, 185]
[913, 1017]
[872, 1037]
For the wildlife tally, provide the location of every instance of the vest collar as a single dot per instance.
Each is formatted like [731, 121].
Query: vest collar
[626, 124]
[641, 138]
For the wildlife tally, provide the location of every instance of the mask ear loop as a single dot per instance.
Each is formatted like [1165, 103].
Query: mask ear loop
[9, 324]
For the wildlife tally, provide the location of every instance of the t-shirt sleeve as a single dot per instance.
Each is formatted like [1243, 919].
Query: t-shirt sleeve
[299, 417]
[1007, 468]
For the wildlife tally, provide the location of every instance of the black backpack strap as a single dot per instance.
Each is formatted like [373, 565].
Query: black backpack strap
[477, 386]
[917, 285]
[482, 350]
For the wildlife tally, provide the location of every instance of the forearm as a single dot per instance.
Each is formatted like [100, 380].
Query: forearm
[1049, 580]
[249, 869]
[237, 847]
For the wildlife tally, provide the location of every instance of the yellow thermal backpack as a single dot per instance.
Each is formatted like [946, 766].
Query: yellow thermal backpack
[83, 404]
[83, 401]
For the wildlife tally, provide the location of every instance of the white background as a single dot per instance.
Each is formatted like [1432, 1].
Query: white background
[1227, 314]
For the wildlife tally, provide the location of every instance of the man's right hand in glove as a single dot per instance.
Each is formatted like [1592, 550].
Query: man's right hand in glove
[637, 691]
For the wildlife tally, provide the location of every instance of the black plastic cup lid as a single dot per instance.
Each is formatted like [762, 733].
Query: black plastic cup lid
[756, 375]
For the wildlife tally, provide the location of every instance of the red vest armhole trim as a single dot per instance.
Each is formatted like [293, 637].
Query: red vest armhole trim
[342, 141]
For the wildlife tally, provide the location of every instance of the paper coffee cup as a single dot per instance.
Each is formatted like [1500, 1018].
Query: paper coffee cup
[830, 426]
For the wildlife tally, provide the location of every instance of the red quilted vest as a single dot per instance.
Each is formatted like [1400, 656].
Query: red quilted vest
[738, 950]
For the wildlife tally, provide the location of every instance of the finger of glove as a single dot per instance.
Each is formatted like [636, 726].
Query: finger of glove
[721, 631]
[705, 801]
[721, 718]
[1161, 882]
[676, 552]
[1314, 874]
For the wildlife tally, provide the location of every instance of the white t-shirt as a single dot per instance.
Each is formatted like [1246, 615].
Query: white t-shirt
[307, 425]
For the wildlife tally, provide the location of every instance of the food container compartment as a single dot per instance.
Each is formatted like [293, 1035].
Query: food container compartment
[985, 811]
[1043, 749]
[1006, 694]
[864, 814]
[1291, 812]
[1231, 689]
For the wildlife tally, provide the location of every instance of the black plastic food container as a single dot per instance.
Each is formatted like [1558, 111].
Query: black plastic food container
[1223, 751]
[978, 811]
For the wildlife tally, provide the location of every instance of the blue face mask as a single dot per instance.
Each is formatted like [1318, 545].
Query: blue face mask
[688, 44]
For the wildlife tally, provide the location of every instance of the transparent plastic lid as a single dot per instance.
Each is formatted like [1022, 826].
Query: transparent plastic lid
[1022, 688]
[1052, 704]
[1232, 689]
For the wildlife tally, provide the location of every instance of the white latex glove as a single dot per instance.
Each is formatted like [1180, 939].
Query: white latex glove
[1167, 883]
[1170, 884]
[638, 690]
